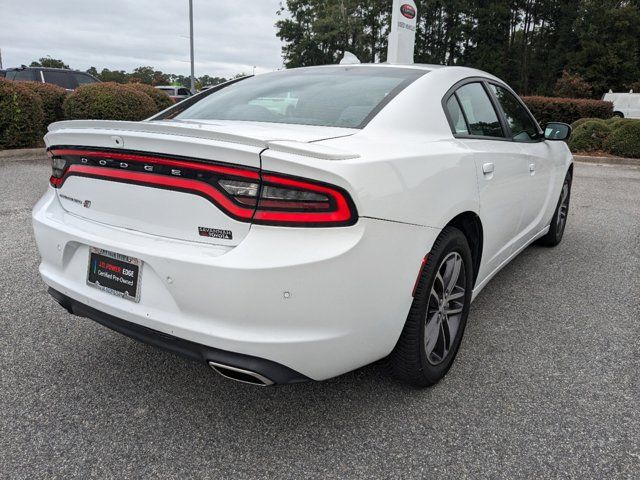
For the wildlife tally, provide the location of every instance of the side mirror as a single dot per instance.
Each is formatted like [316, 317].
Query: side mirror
[557, 131]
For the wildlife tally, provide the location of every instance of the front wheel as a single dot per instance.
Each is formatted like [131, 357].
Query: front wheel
[559, 220]
[433, 331]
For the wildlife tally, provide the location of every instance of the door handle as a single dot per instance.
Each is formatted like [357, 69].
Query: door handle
[532, 167]
[487, 168]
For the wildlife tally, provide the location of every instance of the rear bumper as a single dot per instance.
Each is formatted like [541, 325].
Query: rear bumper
[320, 301]
[278, 374]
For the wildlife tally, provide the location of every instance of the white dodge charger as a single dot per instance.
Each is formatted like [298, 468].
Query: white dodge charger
[300, 224]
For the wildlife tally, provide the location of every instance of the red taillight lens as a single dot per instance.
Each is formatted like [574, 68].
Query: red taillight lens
[58, 168]
[294, 201]
[243, 193]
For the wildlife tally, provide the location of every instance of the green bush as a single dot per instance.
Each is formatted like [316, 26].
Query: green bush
[52, 98]
[625, 139]
[161, 99]
[617, 122]
[590, 136]
[108, 101]
[580, 121]
[21, 116]
[567, 110]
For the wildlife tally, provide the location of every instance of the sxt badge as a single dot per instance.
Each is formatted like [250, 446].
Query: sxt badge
[215, 233]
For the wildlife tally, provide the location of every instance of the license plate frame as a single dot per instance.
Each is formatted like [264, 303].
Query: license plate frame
[121, 275]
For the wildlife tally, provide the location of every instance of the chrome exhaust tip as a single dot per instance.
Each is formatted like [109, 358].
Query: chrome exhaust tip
[241, 375]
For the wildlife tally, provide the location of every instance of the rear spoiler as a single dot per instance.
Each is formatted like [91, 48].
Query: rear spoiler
[195, 130]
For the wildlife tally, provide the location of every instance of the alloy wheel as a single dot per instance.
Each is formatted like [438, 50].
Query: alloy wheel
[563, 210]
[444, 310]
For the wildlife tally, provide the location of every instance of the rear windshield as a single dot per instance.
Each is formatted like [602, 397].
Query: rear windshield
[333, 97]
[83, 78]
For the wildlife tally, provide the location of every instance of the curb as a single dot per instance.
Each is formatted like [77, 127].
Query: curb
[23, 154]
[607, 160]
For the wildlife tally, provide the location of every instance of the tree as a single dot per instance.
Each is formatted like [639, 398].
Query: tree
[634, 86]
[149, 75]
[488, 40]
[206, 81]
[572, 86]
[528, 43]
[319, 32]
[49, 62]
[93, 71]
[118, 76]
[608, 48]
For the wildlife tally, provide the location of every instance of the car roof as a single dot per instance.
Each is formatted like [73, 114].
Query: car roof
[426, 67]
[48, 69]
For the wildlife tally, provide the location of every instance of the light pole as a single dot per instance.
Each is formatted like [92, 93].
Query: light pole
[193, 78]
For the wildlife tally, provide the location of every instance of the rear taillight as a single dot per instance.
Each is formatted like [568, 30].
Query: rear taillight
[58, 168]
[243, 193]
[289, 200]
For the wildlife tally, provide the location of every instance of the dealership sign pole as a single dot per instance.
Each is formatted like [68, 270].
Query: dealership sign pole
[402, 38]
[193, 77]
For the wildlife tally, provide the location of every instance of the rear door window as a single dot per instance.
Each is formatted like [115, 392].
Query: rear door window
[62, 79]
[456, 117]
[481, 117]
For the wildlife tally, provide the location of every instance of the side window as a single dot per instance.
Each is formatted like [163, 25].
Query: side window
[523, 128]
[184, 91]
[23, 75]
[481, 116]
[60, 78]
[456, 117]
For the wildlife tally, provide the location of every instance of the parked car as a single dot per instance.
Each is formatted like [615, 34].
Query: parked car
[3, 73]
[176, 93]
[356, 224]
[625, 105]
[69, 79]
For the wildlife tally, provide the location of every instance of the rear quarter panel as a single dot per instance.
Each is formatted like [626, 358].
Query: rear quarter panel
[411, 180]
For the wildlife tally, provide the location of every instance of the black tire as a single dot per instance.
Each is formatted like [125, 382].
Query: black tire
[558, 222]
[410, 362]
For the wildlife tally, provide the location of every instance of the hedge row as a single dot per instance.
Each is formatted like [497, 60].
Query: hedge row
[567, 110]
[108, 101]
[619, 136]
[27, 108]
[21, 116]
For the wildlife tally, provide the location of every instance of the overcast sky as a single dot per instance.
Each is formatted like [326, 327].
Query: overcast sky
[231, 36]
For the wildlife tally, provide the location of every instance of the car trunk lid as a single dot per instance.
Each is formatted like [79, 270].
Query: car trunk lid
[163, 178]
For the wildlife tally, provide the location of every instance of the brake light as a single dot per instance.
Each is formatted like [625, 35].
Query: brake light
[243, 193]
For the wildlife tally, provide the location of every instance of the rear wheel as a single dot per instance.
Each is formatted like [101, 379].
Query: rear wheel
[433, 331]
[559, 220]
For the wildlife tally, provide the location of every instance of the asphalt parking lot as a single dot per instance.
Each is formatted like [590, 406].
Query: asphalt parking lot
[547, 383]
